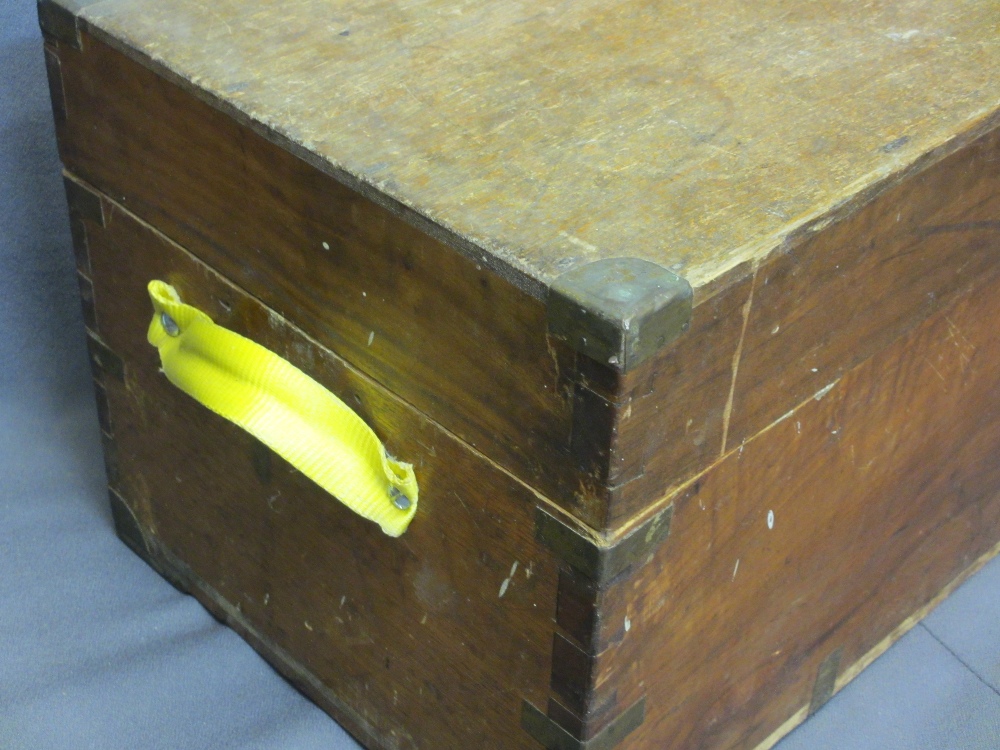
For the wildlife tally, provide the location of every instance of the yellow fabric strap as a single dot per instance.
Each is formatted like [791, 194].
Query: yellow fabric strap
[284, 408]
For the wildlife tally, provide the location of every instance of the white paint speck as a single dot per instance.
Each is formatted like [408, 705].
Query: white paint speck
[308, 626]
[506, 581]
[342, 600]
[815, 369]
[326, 245]
[364, 294]
[770, 519]
[736, 568]
[267, 598]
[628, 624]
[798, 428]
[423, 620]
[776, 329]
[371, 338]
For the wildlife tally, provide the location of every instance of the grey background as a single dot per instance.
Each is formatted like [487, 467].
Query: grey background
[96, 651]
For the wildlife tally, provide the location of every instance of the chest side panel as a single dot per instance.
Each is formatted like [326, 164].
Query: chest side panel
[430, 640]
[811, 546]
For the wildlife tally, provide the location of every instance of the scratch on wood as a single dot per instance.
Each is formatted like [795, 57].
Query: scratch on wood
[578, 242]
[953, 329]
[936, 371]
[471, 514]
[825, 390]
[555, 359]
[736, 360]
[218, 17]
[967, 226]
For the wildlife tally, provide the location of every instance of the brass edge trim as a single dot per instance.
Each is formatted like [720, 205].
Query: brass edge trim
[553, 737]
[103, 407]
[103, 358]
[602, 563]
[84, 200]
[127, 526]
[87, 303]
[826, 680]
[57, 93]
[111, 460]
[619, 311]
[81, 243]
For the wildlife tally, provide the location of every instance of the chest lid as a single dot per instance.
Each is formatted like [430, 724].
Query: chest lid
[693, 135]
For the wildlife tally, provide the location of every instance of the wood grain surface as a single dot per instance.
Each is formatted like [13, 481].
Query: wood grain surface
[431, 640]
[824, 532]
[469, 349]
[697, 135]
[382, 193]
[796, 323]
[462, 345]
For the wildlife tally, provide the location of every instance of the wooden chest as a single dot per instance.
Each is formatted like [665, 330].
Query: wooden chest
[684, 313]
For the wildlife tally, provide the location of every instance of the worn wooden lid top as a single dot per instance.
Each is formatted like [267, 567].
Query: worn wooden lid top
[692, 134]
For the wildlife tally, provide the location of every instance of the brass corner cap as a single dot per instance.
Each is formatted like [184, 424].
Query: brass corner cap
[619, 311]
[603, 563]
[58, 19]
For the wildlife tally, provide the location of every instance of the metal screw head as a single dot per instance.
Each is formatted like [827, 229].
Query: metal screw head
[169, 325]
[400, 500]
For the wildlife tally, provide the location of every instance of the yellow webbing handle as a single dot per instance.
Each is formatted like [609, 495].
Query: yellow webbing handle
[284, 408]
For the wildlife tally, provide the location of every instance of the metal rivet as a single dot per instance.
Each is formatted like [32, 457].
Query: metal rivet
[400, 500]
[169, 325]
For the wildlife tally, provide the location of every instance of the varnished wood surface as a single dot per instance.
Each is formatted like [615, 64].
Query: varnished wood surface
[844, 382]
[462, 345]
[883, 487]
[797, 323]
[469, 349]
[433, 639]
[697, 135]
[891, 474]
[826, 531]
